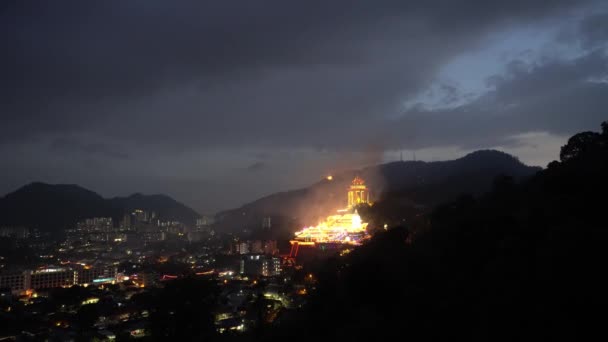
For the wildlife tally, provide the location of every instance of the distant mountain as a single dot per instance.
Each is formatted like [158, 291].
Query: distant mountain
[55, 207]
[417, 182]
[433, 183]
[166, 207]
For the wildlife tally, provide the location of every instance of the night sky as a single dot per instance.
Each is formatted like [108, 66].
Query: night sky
[216, 103]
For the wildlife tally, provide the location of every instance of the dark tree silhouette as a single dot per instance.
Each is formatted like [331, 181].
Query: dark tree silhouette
[578, 145]
[521, 262]
[182, 311]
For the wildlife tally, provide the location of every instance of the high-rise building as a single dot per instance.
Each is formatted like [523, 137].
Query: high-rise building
[96, 224]
[242, 247]
[125, 223]
[96, 229]
[261, 265]
[140, 215]
[95, 274]
[15, 232]
[267, 223]
[270, 247]
[149, 278]
[15, 281]
[274, 266]
[256, 247]
[52, 277]
[204, 221]
[195, 236]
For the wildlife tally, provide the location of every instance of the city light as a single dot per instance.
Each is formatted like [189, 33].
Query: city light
[92, 300]
[103, 280]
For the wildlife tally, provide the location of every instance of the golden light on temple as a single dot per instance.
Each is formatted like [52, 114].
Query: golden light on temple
[357, 193]
[345, 227]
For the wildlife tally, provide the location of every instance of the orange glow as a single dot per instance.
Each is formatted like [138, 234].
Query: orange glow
[357, 193]
[330, 177]
[205, 273]
[303, 243]
[345, 227]
[345, 252]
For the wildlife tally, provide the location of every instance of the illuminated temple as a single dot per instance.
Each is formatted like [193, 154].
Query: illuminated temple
[343, 228]
[357, 193]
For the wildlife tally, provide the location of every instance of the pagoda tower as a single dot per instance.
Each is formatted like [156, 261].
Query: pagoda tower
[357, 192]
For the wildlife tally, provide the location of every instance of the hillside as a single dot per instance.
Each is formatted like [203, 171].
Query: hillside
[416, 182]
[519, 261]
[54, 207]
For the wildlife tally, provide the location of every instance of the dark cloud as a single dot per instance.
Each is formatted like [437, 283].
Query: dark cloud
[257, 166]
[72, 65]
[68, 145]
[558, 97]
[594, 31]
[144, 85]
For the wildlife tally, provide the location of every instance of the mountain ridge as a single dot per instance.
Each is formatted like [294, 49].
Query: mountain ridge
[55, 207]
[424, 183]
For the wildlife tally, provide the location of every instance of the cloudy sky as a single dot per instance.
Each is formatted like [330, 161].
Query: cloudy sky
[219, 102]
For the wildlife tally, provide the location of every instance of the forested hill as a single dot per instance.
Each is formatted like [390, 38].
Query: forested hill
[522, 262]
[55, 207]
[422, 183]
